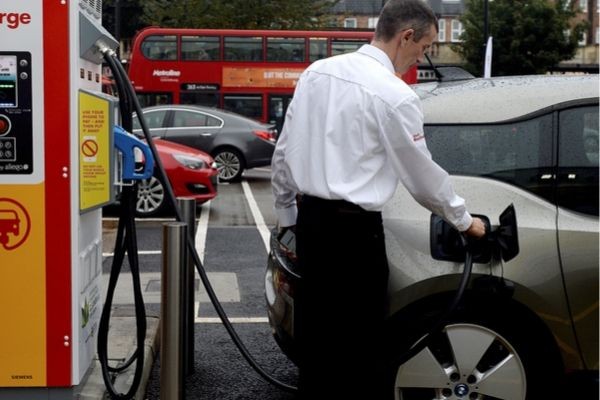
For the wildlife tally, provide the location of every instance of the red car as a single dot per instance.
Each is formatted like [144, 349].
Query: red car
[192, 173]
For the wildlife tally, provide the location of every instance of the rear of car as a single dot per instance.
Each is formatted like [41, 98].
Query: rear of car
[526, 141]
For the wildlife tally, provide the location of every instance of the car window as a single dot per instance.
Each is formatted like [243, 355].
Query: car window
[519, 153]
[578, 160]
[154, 119]
[186, 119]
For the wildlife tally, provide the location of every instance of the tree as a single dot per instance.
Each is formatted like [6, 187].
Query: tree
[237, 14]
[529, 37]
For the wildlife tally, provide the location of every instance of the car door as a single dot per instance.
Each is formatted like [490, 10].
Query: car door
[577, 198]
[155, 121]
[194, 128]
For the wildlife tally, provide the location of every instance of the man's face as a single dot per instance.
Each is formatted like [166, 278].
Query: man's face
[411, 52]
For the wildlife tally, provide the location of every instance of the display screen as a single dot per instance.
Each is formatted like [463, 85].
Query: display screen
[8, 81]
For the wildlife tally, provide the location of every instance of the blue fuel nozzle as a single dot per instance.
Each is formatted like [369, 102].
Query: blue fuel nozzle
[126, 143]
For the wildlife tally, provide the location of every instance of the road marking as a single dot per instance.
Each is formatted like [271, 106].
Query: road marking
[225, 285]
[258, 218]
[200, 244]
[238, 320]
[140, 252]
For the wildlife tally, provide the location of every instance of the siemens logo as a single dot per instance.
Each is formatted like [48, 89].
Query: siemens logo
[162, 72]
[13, 20]
[21, 377]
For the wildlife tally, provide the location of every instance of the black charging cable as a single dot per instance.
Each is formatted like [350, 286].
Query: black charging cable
[114, 63]
[126, 242]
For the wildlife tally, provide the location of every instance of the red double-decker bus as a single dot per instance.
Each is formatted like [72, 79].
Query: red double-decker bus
[250, 72]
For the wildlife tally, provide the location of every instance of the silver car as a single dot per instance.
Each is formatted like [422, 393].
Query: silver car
[526, 328]
[234, 141]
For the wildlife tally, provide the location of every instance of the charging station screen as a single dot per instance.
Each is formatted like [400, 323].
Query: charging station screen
[8, 81]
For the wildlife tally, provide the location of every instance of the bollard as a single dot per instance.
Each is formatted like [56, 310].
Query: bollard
[171, 310]
[188, 213]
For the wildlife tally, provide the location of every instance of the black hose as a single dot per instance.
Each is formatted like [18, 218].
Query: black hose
[444, 317]
[126, 242]
[190, 241]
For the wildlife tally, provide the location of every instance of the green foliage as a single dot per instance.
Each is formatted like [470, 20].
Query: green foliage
[528, 36]
[237, 14]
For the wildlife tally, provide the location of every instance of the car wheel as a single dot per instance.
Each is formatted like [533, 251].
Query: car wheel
[151, 198]
[230, 164]
[490, 354]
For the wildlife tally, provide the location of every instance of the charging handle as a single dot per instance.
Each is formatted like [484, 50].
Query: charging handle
[126, 143]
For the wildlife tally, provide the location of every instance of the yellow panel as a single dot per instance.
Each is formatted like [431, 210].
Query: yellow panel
[22, 286]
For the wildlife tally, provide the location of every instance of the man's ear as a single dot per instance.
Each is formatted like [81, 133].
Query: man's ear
[406, 36]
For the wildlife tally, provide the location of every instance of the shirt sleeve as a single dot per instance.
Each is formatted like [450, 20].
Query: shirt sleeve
[283, 191]
[427, 182]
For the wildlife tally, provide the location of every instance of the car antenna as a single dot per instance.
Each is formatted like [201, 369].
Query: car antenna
[437, 73]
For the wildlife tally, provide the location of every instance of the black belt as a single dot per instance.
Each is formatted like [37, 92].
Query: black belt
[337, 205]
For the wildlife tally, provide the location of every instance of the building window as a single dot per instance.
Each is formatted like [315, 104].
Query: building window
[583, 40]
[583, 5]
[457, 30]
[350, 23]
[373, 22]
[441, 30]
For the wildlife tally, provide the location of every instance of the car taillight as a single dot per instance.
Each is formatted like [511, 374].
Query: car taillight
[269, 136]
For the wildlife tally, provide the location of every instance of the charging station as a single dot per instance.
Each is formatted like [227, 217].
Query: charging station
[57, 170]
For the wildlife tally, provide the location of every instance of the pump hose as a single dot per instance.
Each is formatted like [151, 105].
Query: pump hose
[129, 93]
[126, 241]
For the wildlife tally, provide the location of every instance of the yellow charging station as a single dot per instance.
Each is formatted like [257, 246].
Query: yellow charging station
[56, 171]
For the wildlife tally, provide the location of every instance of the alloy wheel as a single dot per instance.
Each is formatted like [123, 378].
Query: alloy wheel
[229, 165]
[151, 196]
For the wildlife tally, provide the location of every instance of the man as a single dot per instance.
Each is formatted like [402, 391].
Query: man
[352, 133]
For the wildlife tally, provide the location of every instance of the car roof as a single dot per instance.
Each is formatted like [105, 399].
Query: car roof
[485, 100]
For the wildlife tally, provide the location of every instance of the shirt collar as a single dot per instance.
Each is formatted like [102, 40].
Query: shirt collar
[377, 54]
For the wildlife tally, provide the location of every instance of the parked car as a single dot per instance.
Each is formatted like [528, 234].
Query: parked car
[192, 173]
[234, 141]
[524, 325]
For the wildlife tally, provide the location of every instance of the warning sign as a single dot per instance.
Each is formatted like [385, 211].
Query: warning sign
[95, 149]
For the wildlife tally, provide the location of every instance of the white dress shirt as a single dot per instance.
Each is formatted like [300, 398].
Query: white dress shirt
[353, 131]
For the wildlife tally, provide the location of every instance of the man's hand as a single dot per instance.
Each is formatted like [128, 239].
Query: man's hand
[477, 228]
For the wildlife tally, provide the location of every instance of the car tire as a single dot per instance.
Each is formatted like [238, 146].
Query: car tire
[482, 352]
[230, 164]
[151, 198]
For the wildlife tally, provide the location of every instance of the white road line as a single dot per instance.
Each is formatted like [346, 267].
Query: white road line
[140, 252]
[240, 320]
[258, 218]
[200, 244]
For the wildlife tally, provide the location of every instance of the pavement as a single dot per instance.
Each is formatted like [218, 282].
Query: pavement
[121, 345]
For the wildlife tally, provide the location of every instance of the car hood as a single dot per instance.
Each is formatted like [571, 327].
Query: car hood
[166, 147]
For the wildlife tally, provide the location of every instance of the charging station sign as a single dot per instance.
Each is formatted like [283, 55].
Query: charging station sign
[95, 151]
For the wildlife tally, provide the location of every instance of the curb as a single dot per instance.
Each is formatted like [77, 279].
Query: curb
[121, 346]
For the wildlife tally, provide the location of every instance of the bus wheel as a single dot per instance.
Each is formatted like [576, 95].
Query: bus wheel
[230, 164]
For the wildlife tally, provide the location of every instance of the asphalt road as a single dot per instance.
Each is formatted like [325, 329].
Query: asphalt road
[231, 236]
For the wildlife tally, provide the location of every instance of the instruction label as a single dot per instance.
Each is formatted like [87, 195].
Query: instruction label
[95, 130]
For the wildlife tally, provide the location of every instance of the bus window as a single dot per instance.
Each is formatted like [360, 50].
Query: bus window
[345, 46]
[243, 48]
[248, 105]
[285, 49]
[317, 48]
[153, 99]
[160, 47]
[201, 99]
[200, 48]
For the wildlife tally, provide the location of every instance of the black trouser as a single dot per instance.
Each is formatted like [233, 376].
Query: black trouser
[340, 304]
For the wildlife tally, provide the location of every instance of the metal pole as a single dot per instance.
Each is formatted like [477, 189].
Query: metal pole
[485, 27]
[171, 310]
[188, 213]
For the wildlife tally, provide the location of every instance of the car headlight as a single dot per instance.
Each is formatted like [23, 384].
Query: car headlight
[189, 161]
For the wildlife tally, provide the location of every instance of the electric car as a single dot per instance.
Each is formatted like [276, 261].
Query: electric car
[525, 326]
[234, 141]
[192, 174]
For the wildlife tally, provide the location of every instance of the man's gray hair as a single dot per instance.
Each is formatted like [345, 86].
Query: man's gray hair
[398, 15]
